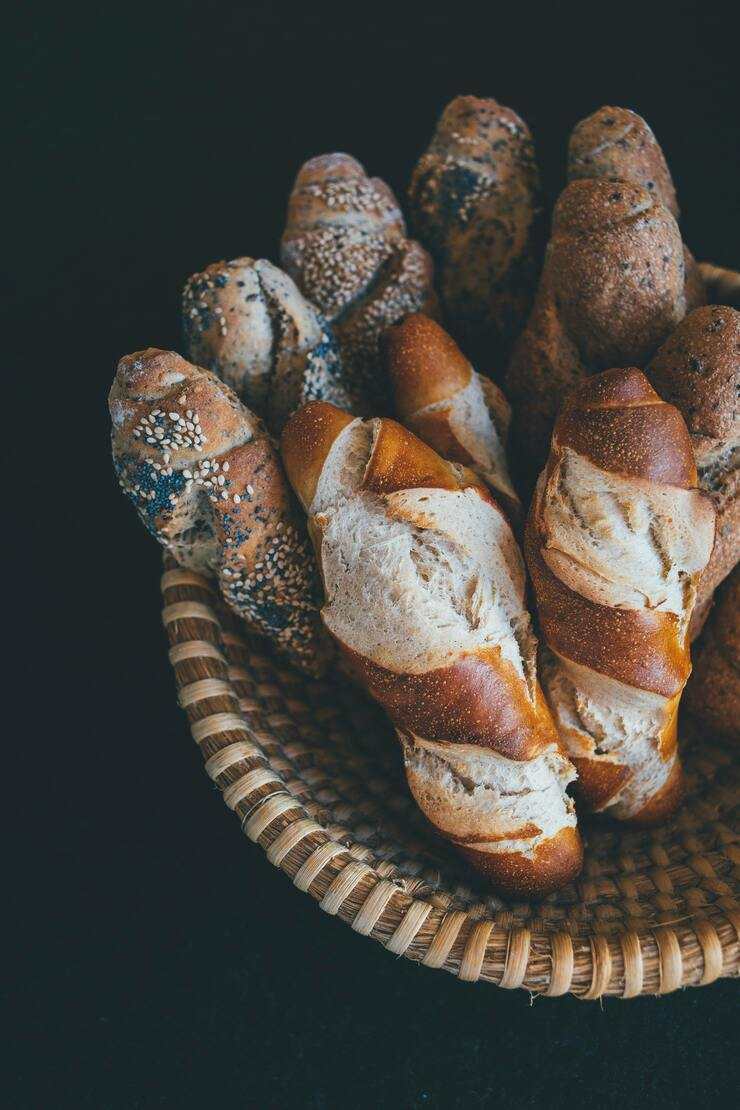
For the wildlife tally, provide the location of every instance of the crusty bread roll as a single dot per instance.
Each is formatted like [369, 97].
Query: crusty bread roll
[616, 541]
[439, 396]
[424, 589]
[611, 290]
[474, 198]
[207, 482]
[618, 145]
[249, 323]
[713, 691]
[345, 245]
[697, 369]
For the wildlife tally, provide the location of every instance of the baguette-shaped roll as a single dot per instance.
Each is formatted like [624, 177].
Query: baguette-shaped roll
[440, 397]
[616, 541]
[474, 199]
[713, 691]
[248, 322]
[208, 484]
[619, 145]
[612, 289]
[698, 370]
[346, 247]
[424, 588]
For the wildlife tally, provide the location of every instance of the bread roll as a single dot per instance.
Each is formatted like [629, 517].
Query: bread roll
[248, 322]
[713, 691]
[697, 369]
[207, 482]
[424, 596]
[439, 396]
[345, 245]
[474, 199]
[617, 539]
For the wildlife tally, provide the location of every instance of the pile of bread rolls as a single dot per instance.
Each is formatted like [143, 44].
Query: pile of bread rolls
[364, 494]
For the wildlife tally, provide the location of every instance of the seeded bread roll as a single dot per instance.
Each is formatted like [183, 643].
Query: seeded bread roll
[345, 245]
[617, 539]
[713, 691]
[698, 370]
[439, 396]
[618, 145]
[424, 591]
[612, 289]
[248, 322]
[475, 198]
[207, 482]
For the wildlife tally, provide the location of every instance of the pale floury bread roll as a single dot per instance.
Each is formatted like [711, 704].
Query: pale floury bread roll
[697, 369]
[346, 247]
[440, 397]
[424, 595]
[616, 542]
[475, 200]
[248, 322]
[207, 482]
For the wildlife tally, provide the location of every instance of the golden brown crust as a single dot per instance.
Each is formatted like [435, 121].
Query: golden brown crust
[713, 691]
[617, 421]
[553, 864]
[305, 443]
[399, 460]
[477, 700]
[425, 364]
[640, 648]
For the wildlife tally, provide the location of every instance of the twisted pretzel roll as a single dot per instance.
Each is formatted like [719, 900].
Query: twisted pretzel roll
[612, 288]
[345, 245]
[617, 538]
[619, 145]
[713, 691]
[424, 588]
[440, 397]
[475, 198]
[207, 482]
[247, 322]
[698, 370]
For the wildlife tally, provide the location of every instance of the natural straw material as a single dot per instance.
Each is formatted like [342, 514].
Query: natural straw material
[312, 771]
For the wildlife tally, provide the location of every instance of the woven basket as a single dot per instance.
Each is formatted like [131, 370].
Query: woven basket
[313, 773]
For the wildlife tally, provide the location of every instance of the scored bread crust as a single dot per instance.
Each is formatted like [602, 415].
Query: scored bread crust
[616, 541]
[345, 246]
[424, 596]
[441, 398]
[697, 369]
[208, 484]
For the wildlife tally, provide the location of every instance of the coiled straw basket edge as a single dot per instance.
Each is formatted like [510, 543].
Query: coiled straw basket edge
[311, 770]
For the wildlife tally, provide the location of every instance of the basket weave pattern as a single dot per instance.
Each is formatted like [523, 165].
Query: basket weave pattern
[312, 770]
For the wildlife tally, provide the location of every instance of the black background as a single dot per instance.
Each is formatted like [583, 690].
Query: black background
[161, 961]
